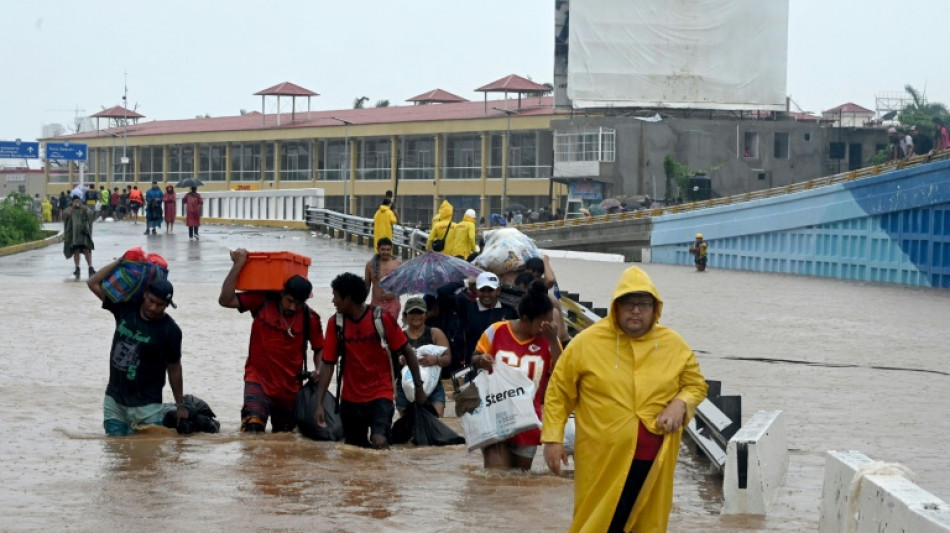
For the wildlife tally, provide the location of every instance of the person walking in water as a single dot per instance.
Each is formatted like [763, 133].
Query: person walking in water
[633, 386]
[77, 234]
[377, 268]
[698, 251]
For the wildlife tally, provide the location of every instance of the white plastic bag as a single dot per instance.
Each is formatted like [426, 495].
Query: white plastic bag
[569, 435]
[428, 374]
[506, 408]
[506, 250]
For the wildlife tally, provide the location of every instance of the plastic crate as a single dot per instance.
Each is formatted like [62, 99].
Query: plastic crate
[268, 271]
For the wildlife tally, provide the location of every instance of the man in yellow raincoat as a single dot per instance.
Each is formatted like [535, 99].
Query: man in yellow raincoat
[383, 222]
[461, 240]
[441, 226]
[634, 384]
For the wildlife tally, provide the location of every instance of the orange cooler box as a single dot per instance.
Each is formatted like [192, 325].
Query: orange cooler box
[268, 271]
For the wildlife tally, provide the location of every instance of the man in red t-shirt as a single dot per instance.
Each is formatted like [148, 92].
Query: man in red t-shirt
[366, 401]
[277, 348]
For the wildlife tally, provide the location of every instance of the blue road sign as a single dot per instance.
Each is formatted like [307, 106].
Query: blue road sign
[66, 151]
[19, 150]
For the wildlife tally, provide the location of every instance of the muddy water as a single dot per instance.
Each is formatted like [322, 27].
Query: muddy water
[61, 473]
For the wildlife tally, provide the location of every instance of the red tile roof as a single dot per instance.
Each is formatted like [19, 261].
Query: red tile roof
[374, 115]
[437, 96]
[117, 111]
[849, 108]
[513, 84]
[286, 89]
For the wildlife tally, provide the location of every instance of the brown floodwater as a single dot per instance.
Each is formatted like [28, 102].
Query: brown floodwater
[868, 372]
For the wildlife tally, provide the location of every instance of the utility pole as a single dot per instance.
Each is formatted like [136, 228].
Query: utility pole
[125, 123]
[346, 161]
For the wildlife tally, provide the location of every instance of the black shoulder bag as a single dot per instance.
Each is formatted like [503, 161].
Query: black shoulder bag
[439, 244]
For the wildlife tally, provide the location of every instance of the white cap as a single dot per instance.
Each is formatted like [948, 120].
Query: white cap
[486, 279]
[470, 213]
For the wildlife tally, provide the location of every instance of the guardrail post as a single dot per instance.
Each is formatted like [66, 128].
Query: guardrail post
[756, 464]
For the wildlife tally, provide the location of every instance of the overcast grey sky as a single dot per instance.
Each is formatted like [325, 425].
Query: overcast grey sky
[186, 58]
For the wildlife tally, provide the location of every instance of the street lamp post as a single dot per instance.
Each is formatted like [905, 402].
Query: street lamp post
[507, 167]
[346, 161]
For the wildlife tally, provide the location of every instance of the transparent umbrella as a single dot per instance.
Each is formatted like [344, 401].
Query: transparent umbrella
[426, 273]
[189, 182]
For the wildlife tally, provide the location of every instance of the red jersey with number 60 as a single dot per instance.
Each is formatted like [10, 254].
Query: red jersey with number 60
[533, 357]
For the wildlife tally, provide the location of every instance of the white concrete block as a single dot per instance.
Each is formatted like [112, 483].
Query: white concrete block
[584, 256]
[855, 499]
[756, 464]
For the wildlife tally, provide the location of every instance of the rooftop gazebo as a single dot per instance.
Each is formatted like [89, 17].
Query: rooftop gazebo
[115, 114]
[513, 84]
[436, 96]
[285, 89]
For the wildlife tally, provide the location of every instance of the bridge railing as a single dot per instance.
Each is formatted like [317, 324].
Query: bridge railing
[282, 204]
[407, 241]
[825, 181]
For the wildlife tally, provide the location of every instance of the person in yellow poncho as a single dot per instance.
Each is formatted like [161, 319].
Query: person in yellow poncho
[383, 222]
[461, 240]
[441, 226]
[47, 210]
[634, 384]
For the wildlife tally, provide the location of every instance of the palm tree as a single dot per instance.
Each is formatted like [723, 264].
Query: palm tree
[359, 101]
[920, 114]
[382, 103]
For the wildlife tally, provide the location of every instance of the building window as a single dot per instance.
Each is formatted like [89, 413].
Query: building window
[334, 161]
[463, 157]
[836, 150]
[418, 161]
[375, 164]
[212, 161]
[269, 161]
[246, 162]
[807, 137]
[151, 166]
[102, 165]
[750, 145]
[125, 172]
[295, 161]
[595, 145]
[780, 149]
[181, 162]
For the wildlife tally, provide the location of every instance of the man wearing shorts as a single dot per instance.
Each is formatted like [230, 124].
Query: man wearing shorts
[145, 346]
[366, 401]
[277, 348]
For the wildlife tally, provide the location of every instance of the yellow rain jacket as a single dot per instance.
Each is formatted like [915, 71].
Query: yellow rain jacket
[383, 222]
[440, 226]
[614, 382]
[461, 240]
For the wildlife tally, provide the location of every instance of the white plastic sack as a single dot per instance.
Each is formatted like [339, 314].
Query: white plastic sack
[569, 432]
[428, 374]
[506, 408]
[506, 250]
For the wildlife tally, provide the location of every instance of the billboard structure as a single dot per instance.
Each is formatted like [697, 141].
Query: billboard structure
[705, 54]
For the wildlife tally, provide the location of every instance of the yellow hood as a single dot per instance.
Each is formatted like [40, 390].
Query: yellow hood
[634, 279]
[445, 210]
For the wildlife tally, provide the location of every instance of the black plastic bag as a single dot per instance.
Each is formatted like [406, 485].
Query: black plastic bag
[305, 409]
[424, 428]
[200, 417]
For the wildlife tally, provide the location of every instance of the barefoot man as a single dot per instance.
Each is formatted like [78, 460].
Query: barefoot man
[381, 264]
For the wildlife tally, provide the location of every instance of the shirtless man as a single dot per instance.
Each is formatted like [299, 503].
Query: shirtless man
[377, 268]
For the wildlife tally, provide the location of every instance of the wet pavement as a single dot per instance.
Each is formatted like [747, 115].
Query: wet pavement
[864, 367]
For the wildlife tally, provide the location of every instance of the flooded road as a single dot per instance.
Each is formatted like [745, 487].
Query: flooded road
[883, 394]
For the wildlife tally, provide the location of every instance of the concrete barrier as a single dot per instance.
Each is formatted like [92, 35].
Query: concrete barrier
[756, 464]
[863, 496]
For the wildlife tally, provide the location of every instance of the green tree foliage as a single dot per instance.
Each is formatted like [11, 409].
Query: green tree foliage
[382, 103]
[676, 173]
[360, 102]
[921, 113]
[18, 224]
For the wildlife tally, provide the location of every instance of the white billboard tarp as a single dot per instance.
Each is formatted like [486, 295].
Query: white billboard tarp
[710, 54]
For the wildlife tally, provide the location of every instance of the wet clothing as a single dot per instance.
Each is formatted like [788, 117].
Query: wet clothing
[461, 240]
[140, 354]
[699, 251]
[473, 320]
[119, 420]
[367, 367]
[359, 418]
[153, 207]
[441, 226]
[193, 203]
[259, 407]
[170, 208]
[77, 235]
[532, 357]
[274, 356]
[438, 393]
[614, 383]
[47, 210]
[135, 199]
[383, 222]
